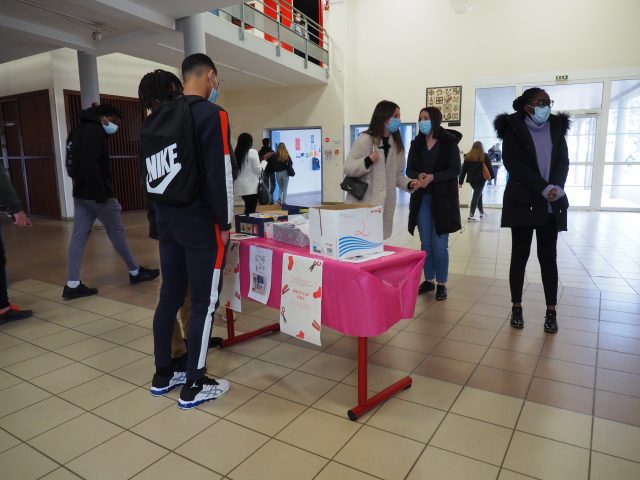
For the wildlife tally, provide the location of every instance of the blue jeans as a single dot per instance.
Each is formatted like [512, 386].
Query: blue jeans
[437, 246]
[283, 183]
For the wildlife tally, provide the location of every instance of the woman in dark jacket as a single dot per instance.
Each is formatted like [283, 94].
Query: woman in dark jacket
[434, 159]
[535, 155]
[473, 168]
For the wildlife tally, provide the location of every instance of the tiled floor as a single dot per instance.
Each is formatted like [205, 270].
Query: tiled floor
[486, 402]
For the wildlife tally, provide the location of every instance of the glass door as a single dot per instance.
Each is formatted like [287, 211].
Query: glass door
[581, 142]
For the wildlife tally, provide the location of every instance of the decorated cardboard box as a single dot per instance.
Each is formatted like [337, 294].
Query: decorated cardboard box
[255, 224]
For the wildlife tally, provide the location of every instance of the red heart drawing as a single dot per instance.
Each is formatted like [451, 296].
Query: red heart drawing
[237, 269]
[290, 263]
[300, 334]
[317, 293]
[315, 325]
[285, 289]
[228, 304]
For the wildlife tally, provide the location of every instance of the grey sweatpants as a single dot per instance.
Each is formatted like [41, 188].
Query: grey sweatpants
[86, 212]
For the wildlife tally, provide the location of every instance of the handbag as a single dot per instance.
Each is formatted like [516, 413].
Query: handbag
[354, 187]
[291, 171]
[264, 195]
[486, 174]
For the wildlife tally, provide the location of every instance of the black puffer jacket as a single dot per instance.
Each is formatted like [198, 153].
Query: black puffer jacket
[444, 190]
[523, 204]
[473, 171]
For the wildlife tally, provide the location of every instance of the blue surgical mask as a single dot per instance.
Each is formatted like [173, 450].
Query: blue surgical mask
[394, 125]
[541, 114]
[213, 96]
[425, 126]
[110, 128]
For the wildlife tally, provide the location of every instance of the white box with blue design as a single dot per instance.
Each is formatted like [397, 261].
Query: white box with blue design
[345, 231]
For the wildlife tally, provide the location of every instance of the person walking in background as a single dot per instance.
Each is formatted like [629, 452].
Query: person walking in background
[282, 166]
[8, 196]
[250, 168]
[495, 156]
[476, 168]
[377, 158]
[434, 159]
[266, 154]
[94, 198]
[536, 157]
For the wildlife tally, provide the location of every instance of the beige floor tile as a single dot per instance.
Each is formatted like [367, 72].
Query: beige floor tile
[329, 366]
[223, 446]
[133, 407]
[509, 360]
[7, 341]
[139, 372]
[561, 395]
[266, 413]
[543, 458]
[113, 359]
[407, 419]
[175, 466]
[466, 352]
[61, 474]
[431, 392]
[7, 380]
[414, 341]
[31, 329]
[40, 417]
[61, 339]
[556, 424]
[20, 396]
[125, 334]
[19, 353]
[616, 439]
[348, 347]
[276, 461]
[65, 378]
[446, 369]
[472, 438]
[36, 366]
[335, 470]
[471, 335]
[119, 458]
[100, 326]
[509, 475]
[172, 426]
[25, 463]
[258, 374]
[488, 407]
[340, 399]
[287, 355]
[7, 441]
[378, 378]
[254, 347]
[228, 403]
[222, 361]
[301, 387]
[437, 464]
[566, 372]
[605, 467]
[380, 453]
[319, 432]
[75, 437]
[97, 392]
[85, 348]
[134, 315]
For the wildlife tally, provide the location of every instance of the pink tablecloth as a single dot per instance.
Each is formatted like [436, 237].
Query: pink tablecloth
[359, 299]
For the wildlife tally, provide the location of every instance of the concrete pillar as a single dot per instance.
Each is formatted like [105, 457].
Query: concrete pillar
[193, 30]
[88, 72]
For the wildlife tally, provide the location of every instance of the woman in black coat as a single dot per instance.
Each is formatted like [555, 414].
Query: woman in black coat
[476, 162]
[434, 159]
[535, 155]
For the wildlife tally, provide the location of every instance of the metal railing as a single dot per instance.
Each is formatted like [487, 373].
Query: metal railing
[277, 22]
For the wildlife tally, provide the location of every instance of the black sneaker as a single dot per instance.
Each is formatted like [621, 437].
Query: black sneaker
[550, 323]
[200, 391]
[517, 321]
[426, 286]
[13, 314]
[441, 292]
[161, 385]
[144, 275]
[80, 291]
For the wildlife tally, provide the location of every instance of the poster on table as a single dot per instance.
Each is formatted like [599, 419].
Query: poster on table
[260, 273]
[301, 300]
[230, 295]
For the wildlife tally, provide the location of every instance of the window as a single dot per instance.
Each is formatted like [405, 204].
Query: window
[575, 96]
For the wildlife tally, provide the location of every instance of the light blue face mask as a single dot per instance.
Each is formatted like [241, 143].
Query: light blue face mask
[394, 125]
[110, 128]
[213, 96]
[425, 126]
[541, 114]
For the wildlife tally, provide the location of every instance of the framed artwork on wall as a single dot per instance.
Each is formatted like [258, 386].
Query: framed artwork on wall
[448, 100]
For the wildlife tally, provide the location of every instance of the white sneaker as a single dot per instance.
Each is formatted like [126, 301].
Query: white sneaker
[471, 219]
[200, 391]
[482, 215]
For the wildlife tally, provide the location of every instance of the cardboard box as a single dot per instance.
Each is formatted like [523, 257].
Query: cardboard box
[256, 225]
[345, 231]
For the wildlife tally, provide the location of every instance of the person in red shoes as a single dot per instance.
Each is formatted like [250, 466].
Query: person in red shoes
[9, 197]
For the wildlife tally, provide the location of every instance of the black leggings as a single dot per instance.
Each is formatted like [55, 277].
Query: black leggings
[250, 203]
[476, 199]
[547, 238]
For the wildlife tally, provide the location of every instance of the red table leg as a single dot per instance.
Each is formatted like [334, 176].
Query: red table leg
[365, 404]
[232, 338]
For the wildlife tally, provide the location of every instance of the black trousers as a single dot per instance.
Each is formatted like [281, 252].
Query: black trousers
[191, 256]
[546, 238]
[250, 203]
[476, 198]
[4, 297]
[272, 185]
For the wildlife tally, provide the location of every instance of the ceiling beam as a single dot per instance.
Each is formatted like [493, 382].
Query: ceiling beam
[50, 35]
[126, 9]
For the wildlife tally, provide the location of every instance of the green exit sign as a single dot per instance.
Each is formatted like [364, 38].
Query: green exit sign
[562, 78]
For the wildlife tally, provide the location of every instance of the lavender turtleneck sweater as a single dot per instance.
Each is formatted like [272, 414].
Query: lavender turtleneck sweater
[541, 135]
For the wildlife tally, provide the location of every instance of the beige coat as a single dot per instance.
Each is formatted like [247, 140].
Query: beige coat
[382, 177]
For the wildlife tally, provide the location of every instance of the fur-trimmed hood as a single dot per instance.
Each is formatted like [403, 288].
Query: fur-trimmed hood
[504, 120]
[444, 134]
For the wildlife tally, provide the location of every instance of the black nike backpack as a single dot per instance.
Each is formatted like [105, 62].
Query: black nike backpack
[170, 154]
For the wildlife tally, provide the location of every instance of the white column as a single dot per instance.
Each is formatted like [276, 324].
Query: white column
[88, 72]
[193, 30]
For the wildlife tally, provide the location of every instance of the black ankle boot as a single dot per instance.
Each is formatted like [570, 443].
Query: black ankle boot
[517, 321]
[550, 323]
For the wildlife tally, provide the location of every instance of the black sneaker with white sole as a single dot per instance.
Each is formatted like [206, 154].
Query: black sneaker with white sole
[550, 322]
[196, 392]
[144, 275]
[162, 385]
[80, 291]
[441, 292]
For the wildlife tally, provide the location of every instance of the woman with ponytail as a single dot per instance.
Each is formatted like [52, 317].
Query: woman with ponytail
[535, 155]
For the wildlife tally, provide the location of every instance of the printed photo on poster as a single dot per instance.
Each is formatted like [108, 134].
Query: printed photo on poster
[230, 295]
[260, 271]
[301, 298]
